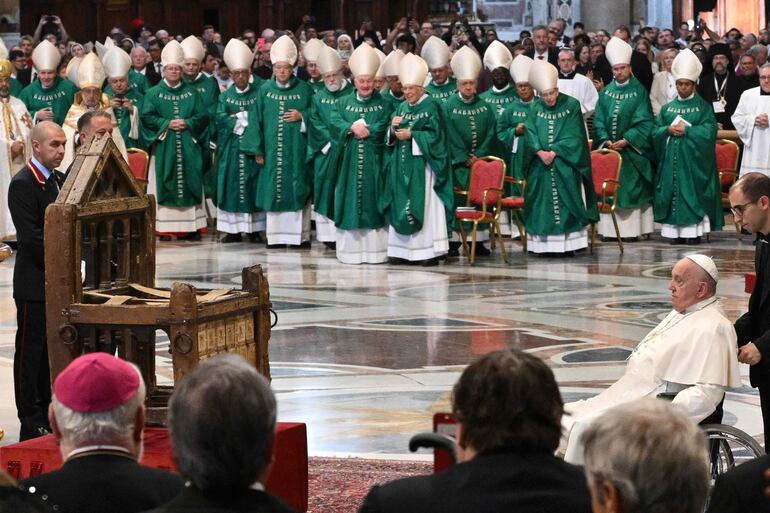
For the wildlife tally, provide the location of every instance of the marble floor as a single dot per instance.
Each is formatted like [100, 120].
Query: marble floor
[365, 355]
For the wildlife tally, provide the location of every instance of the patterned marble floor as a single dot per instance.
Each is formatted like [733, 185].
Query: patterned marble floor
[365, 355]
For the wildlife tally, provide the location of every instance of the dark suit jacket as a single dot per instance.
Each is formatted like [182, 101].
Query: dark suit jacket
[153, 77]
[505, 481]
[754, 325]
[733, 90]
[741, 490]
[24, 76]
[192, 500]
[28, 196]
[553, 55]
[107, 482]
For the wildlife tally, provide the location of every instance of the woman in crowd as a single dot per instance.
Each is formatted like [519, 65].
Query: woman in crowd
[663, 85]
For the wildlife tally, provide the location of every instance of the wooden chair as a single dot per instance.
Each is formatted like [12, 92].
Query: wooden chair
[605, 171]
[515, 204]
[485, 190]
[728, 153]
[139, 162]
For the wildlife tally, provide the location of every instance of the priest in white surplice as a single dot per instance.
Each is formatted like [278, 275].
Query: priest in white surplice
[692, 353]
[576, 85]
[751, 122]
[15, 148]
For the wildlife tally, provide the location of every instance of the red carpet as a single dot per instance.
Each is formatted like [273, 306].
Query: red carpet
[339, 485]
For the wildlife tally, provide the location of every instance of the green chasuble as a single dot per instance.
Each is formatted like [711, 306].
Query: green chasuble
[59, 97]
[123, 118]
[554, 194]
[284, 183]
[499, 100]
[471, 130]
[322, 146]
[360, 176]
[392, 100]
[237, 170]
[687, 187]
[514, 148]
[404, 199]
[136, 82]
[178, 164]
[16, 87]
[316, 85]
[441, 93]
[624, 112]
[208, 89]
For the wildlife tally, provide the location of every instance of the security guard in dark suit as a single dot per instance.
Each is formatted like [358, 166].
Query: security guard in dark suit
[750, 203]
[30, 192]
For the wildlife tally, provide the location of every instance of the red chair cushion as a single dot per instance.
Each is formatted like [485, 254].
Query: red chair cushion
[473, 215]
[604, 166]
[727, 156]
[486, 175]
[138, 164]
[512, 202]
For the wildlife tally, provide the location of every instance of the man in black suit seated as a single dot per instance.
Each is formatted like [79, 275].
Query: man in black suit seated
[222, 420]
[31, 190]
[542, 51]
[97, 416]
[750, 203]
[508, 409]
[646, 456]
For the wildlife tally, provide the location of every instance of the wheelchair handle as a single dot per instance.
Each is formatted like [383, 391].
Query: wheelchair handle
[433, 441]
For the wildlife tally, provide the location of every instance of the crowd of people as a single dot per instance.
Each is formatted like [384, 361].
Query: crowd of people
[372, 135]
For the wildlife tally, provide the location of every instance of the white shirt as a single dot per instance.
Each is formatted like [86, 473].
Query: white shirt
[756, 140]
[583, 90]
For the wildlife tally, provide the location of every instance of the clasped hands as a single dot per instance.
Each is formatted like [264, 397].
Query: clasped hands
[177, 125]
[761, 121]
[676, 130]
[547, 156]
[749, 354]
[359, 130]
[402, 134]
[616, 145]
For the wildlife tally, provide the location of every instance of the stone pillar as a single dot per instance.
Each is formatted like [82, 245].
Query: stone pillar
[660, 13]
[598, 14]
[9, 22]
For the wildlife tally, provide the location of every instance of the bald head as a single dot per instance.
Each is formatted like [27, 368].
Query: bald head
[48, 142]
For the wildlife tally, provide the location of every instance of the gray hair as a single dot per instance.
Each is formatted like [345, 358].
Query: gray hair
[113, 427]
[764, 66]
[652, 454]
[139, 49]
[222, 419]
[755, 50]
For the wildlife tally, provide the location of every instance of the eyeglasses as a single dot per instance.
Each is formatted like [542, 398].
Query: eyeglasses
[738, 210]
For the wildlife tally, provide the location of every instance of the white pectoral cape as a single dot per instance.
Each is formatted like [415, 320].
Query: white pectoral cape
[15, 125]
[756, 140]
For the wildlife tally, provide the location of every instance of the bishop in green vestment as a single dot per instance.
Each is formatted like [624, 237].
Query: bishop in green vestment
[49, 97]
[435, 52]
[16, 87]
[687, 193]
[560, 199]
[126, 103]
[418, 198]
[512, 133]
[208, 89]
[361, 121]
[174, 120]
[236, 167]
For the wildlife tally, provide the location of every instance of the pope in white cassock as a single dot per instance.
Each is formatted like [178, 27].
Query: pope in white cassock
[751, 122]
[691, 353]
[15, 148]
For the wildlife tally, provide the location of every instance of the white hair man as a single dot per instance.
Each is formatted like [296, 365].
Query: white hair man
[645, 457]
[691, 355]
[97, 417]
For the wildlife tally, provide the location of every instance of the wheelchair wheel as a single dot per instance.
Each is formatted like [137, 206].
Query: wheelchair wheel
[728, 447]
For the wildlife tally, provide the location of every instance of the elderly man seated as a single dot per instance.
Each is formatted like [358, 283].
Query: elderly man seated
[97, 416]
[691, 353]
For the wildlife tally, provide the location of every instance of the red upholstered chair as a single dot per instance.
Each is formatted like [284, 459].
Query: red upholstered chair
[605, 170]
[728, 154]
[484, 192]
[515, 204]
[139, 162]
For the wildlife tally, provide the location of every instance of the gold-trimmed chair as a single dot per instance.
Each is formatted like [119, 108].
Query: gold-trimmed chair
[605, 172]
[515, 204]
[139, 163]
[728, 152]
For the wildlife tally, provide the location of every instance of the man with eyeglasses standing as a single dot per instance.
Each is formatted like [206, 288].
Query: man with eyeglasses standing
[751, 122]
[750, 203]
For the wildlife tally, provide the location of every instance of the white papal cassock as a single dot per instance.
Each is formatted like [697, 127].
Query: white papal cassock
[692, 354]
[756, 140]
[15, 124]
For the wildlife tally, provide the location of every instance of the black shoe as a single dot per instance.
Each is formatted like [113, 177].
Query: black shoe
[331, 245]
[397, 261]
[255, 237]
[304, 245]
[692, 241]
[165, 238]
[454, 249]
[231, 237]
[630, 239]
[276, 246]
[482, 250]
[192, 236]
[35, 432]
[14, 245]
[677, 241]
[431, 262]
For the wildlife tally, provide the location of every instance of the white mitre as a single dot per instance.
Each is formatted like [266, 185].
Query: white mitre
[117, 63]
[3, 50]
[45, 56]
[520, 69]
[618, 52]
[91, 72]
[238, 56]
[193, 49]
[312, 49]
[497, 56]
[392, 63]
[381, 55]
[283, 50]
[412, 70]
[72, 69]
[364, 61]
[329, 61]
[686, 66]
[435, 53]
[172, 54]
[543, 76]
[466, 64]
